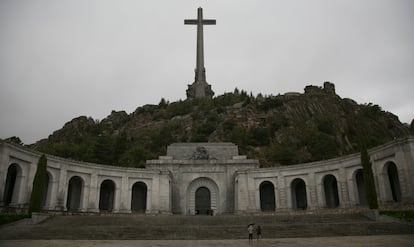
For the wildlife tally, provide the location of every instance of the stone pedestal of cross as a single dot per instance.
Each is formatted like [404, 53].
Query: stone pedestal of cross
[200, 88]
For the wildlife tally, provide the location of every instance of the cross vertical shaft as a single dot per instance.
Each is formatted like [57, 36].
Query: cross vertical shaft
[200, 72]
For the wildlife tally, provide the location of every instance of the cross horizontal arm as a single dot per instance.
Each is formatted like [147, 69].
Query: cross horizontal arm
[209, 22]
[204, 22]
[190, 22]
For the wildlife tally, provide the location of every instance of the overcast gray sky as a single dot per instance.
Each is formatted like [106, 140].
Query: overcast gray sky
[61, 59]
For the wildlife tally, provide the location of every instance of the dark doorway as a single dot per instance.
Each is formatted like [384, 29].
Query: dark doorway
[74, 194]
[299, 198]
[202, 201]
[267, 196]
[10, 187]
[394, 182]
[106, 195]
[359, 177]
[139, 197]
[331, 191]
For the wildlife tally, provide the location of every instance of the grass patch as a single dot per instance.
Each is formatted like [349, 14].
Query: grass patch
[407, 215]
[8, 218]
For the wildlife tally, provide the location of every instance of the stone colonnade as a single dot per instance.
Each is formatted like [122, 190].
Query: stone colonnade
[329, 184]
[86, 187]
[82, 187]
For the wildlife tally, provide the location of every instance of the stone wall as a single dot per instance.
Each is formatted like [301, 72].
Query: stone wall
[236, 183]
[185, 173]
[216, 151]
[343, 170]
[61, 171]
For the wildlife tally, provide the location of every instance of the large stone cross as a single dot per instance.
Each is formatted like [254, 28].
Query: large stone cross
[200, 87]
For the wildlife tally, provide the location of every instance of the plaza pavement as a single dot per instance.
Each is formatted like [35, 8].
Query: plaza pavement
[347, 241]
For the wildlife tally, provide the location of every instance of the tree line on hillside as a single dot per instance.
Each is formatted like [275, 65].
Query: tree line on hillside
[276, 130]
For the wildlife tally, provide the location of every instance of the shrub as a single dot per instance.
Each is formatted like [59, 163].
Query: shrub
[407, 215]
[8, 218]
[369, 184]
[39, 186]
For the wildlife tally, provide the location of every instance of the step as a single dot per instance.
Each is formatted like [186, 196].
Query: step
[202, 227]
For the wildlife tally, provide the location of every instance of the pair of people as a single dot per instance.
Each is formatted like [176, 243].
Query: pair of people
[251, 229]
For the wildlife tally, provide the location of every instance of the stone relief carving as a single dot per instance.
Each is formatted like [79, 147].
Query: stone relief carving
[201, 153]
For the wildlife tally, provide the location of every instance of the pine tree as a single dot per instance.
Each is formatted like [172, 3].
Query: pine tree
[39, 186]
[369, 183]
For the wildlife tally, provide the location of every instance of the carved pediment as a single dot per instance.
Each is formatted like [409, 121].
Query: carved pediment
[201, 153]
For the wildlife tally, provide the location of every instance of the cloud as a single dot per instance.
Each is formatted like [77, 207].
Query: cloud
[64, 59]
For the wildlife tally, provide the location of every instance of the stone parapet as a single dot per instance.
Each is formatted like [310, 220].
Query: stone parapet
[187, 151]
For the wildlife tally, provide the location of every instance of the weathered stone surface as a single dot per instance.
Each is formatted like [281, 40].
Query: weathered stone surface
[186, 151]
[233, 181]
[200, 88]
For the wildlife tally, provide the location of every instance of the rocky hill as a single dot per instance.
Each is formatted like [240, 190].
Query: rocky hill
[278, 130]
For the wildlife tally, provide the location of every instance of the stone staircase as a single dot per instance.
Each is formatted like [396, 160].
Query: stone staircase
[202, 227]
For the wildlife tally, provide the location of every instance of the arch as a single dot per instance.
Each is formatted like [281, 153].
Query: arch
[330, 186]
[107, 195]
[74, 197]
[191, 194]
[394, 181]
[139, 197]
[13, 184]
[267, 196]
[299, 197]
[203, 201]
[359, 180]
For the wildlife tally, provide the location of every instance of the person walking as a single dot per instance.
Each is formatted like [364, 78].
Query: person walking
[250, 231]
[258, 232]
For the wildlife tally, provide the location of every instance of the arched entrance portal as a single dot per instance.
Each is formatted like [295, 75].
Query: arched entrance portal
[331, 191]
[106, 195]
[299, 198]
[394, 181]
[11, 190]
[202, 201]
[139, 197]
[359, 178]
[267, 196]
[201, 194]
[73, 201]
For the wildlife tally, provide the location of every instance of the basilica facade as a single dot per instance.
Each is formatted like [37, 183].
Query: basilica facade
[206, 178]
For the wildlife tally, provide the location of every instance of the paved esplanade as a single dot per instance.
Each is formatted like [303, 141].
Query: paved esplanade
[200, 87]
[354, 241]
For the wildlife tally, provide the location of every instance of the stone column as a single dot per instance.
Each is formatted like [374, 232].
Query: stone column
[407, 157]
[282, 202]
[117, 196]
[165, 189]
[62, 189]
[23, 186]
[289, 197]
[152, 196]
[126, 194]
[93, 204]
[241, 193]
[85, 195]
[312, 192]
[4, 165]
[352, 190]
[251, 188]
[382, 183]
[320, 192]
[403, 161]
[343, 189]
[53, 202]
[20, 192]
